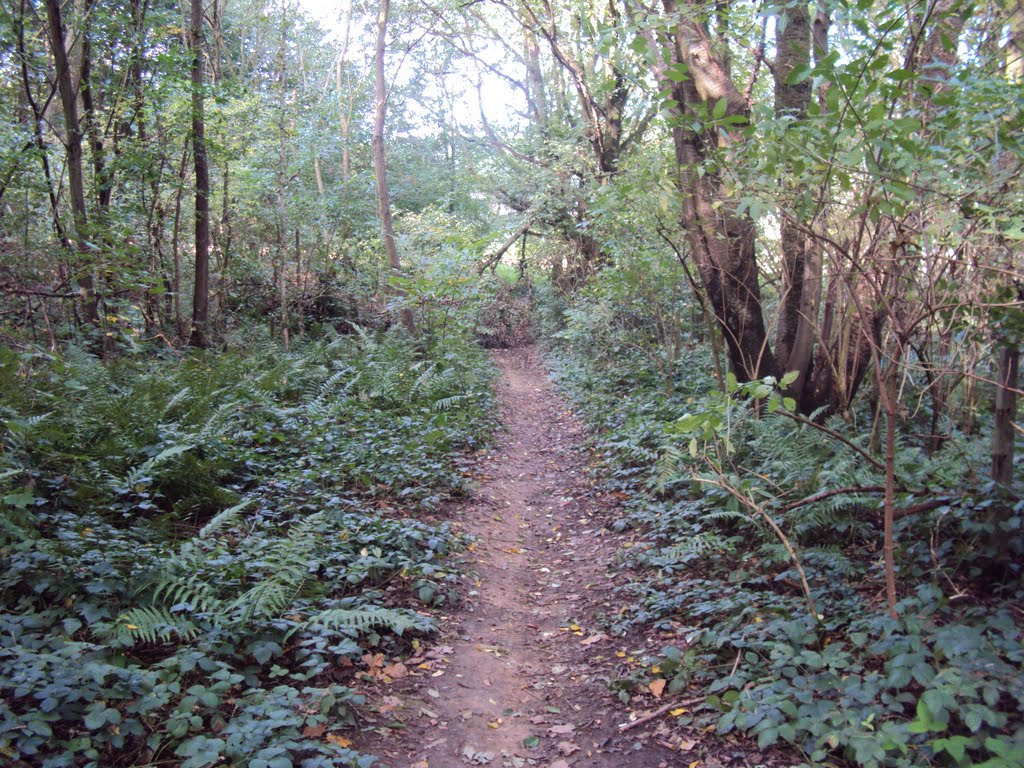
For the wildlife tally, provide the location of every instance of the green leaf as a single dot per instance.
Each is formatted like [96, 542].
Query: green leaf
[677, 73]
[788, 379]
[899, 75]
[798, 74]
[721, 107]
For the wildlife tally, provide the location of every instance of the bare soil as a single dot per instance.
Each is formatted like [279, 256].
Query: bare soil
[519, 675]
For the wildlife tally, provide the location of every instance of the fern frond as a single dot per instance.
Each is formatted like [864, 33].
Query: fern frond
[447, 403]
[355, 620]
[187, 589]
[224, 518]
[155, 624]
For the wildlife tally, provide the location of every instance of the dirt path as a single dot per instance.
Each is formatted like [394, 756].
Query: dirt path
[511, 684]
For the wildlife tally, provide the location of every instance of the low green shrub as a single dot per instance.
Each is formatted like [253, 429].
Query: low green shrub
[188, 547]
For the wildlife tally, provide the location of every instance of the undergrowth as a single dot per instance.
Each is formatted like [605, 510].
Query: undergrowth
[194, 551]
[718, 484]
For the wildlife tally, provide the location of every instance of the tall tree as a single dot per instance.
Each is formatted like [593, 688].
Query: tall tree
[379, 160]
[74, 158]
[199, 336]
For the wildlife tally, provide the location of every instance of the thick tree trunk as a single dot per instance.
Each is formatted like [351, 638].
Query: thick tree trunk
[722, 241]
[379, 160]
[201, 294]
[793, 46]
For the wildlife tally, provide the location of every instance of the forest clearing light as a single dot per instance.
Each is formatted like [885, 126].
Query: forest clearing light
[500, 103]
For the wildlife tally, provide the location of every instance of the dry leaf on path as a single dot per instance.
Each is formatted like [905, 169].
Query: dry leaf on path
[594, 639]
[567, 747]
[657, 687]
[341, 741]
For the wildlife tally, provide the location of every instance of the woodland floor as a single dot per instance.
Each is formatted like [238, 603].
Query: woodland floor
[517, 677]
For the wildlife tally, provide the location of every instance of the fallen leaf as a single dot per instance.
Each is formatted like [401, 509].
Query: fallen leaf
[657, 687]
[679, 711]
[694, 764]
[341, 741]
[421, 764]
[594, 639]
[567, 747]
[531, 742]
[562, 730]
[559, 764]
[395, 671]
[314, 731]
[433, 693]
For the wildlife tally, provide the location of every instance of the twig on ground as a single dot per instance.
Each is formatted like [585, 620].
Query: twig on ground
[623, 727]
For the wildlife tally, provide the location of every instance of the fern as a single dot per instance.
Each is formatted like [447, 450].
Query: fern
[187, 589]
[225, 518]
[152, 624]
[365, 619]
[447, 403]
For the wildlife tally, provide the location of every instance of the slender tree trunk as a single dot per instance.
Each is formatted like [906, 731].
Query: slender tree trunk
[76, 176]
[345, 108]
[1005, 413]
[282, 175]
[201, 294]
[1003, 438]
[37, 132]
[379, 160]
[889, 385]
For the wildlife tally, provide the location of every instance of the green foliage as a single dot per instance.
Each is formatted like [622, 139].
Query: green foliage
[188, 546]
[939, 685]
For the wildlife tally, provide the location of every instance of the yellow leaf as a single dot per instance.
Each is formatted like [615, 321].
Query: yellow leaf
[678, 712]
[655, 669]
[574, 627]
[657, 687]
[341, 741]
[495, 724]
[621, 654]
[472, 547]
[694, 764]
[130, 627]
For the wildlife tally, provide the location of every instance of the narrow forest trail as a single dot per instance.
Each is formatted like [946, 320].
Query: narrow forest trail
[511, 683]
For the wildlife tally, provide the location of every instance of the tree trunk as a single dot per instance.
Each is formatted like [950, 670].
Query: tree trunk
[722, 241]
[201, 294]
[797, 306]
[282, 175]
[76, 176]
[1005, 413]
[379, 161]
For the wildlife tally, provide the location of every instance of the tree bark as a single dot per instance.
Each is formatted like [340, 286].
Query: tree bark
[199, 336]
[379, 160]
[1005, 413]
[76, 176]
[282, 176]
[722, 240]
